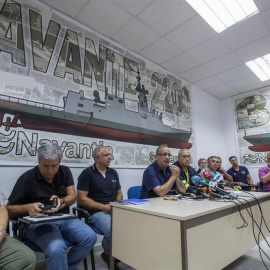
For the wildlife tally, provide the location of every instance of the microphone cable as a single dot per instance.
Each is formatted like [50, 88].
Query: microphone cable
[253, 230]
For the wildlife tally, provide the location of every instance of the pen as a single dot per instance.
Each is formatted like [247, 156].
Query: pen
[40, 205]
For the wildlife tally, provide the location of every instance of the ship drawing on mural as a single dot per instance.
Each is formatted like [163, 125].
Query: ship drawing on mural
[260, 142]
[108, 119]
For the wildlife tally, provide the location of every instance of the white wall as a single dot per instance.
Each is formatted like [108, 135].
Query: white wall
[208, 125]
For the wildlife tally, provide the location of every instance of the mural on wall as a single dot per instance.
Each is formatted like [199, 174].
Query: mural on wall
[253, 126]
[61, 82]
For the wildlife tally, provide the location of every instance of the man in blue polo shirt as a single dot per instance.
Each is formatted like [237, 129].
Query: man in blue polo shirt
[97, 186]
[159, 179]
[240, 174]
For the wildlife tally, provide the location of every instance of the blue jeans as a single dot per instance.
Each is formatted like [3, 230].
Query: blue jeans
[102, 220]
[49, 237]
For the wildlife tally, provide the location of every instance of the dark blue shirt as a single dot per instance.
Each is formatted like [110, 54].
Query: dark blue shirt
[153, 176]
[240, 176]
[183, 177]
[100, 189]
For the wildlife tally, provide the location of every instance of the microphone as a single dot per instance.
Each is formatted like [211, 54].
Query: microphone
[207, 175]
[200, 191]
[197, 180]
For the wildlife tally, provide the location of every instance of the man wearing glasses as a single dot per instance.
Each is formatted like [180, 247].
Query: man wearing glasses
[159, 179]
[186, 171]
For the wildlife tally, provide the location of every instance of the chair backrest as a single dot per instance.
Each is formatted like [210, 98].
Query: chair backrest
[134, 192]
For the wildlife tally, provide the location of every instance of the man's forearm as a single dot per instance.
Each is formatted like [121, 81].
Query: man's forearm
[17, 210]
[3, 218]
[90, 204]
[166, 187]
[266, 178]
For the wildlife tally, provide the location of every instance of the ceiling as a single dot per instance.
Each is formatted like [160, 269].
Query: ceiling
[171, 34]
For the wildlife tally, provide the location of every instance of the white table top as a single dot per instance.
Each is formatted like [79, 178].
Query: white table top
[185, 209]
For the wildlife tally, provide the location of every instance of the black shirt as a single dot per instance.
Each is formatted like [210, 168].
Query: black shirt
[31, 187]
[100, 189]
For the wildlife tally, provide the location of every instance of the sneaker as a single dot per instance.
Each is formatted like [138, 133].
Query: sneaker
[105, 257]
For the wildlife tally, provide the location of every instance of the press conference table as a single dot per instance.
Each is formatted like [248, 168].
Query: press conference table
[183, 234]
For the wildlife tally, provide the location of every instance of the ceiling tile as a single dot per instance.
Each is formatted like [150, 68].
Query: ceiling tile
[164, 17]
[196, 74]
[168, 50]
[235, 73]
[250, 87]
[103, 16]
[266, 18]
[262, 4]
[209, 82]
[209, 50]
[190, 34]
[244, 32]
[222, 91]
[225, 62]
[245, 82]
[135, 35]
[180, 63]
[68, 7]
[133, 7]
[254, 50]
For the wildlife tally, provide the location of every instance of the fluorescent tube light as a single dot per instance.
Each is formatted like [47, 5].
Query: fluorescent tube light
[221, 14]
[261, 67]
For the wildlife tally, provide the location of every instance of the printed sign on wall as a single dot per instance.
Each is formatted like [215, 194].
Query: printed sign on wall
[253, 126]
[60, 82]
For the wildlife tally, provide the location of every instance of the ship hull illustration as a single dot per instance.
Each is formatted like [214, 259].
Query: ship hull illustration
[260, 142]
[94, 118]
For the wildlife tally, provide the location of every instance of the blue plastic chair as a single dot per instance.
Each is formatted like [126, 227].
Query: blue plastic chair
[134, 192]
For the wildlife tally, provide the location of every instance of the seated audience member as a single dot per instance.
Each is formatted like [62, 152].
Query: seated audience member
[46, 182]
[202, 163]
[186, 171]
[13, 253]
[227, 177]
[97, 186]
[159, 179]
[264, 174]
[240, 174]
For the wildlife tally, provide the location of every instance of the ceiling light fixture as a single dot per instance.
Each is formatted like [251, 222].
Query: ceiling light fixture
[261, 67]
[221, 14]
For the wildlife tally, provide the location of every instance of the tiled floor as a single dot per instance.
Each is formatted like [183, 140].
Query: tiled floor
[249, 261]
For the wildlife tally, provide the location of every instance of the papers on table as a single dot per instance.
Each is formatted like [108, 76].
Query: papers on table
[133, 201]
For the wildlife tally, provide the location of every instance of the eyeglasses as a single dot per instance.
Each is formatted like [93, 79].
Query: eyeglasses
[165, 154]
[186, 156]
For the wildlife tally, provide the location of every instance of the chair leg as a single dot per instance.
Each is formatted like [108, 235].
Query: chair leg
[85, 264]
[92, 259]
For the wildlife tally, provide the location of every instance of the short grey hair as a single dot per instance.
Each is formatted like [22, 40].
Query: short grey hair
[161, 146]
[49, 151]
[181, 150]
[97, 151]
[200, 159]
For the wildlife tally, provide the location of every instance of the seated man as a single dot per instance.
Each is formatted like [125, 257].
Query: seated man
[159, 179]
[13, 253]
[264, 174]
[240, 175]
[202, 163]
[40, 185]
[186, 171]
[212, 166]
[97, 186]
[227, 177]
